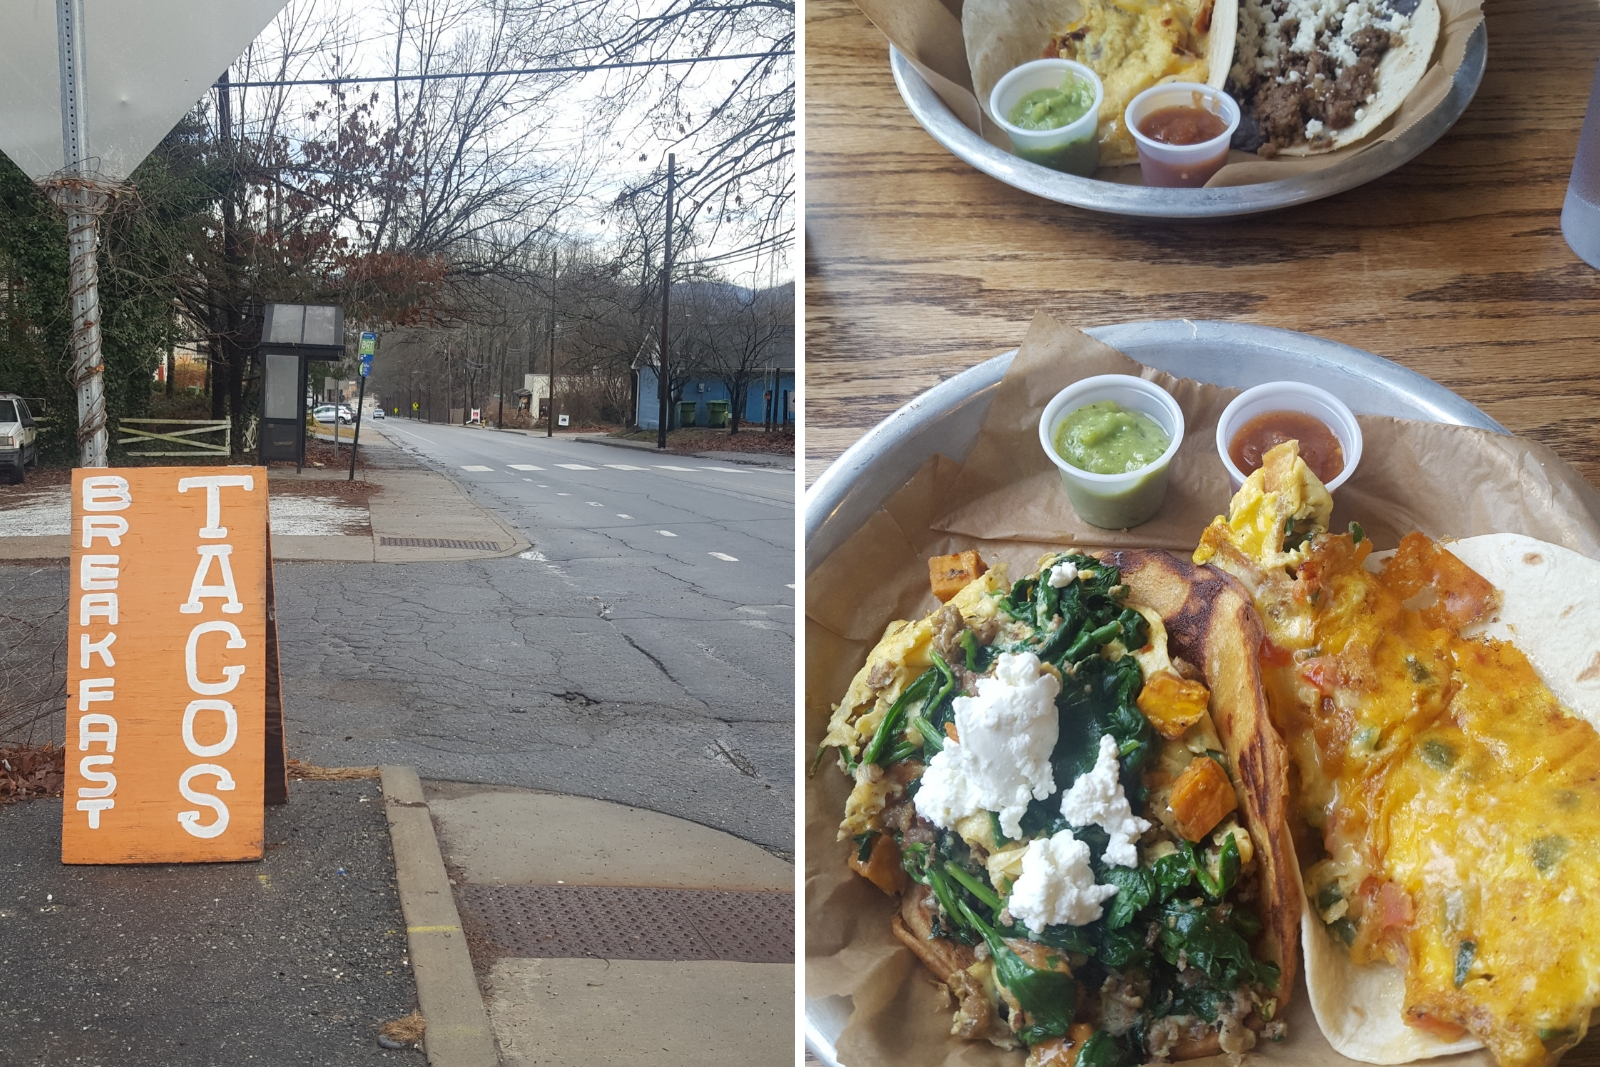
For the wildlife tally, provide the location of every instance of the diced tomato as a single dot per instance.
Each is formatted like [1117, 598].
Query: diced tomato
[1273, 656]
[1440, 1028]
[1393, 906]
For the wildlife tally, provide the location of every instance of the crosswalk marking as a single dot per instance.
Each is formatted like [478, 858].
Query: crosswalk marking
[727, 470]
[524, 467]
[625, 467]
[624, 516]
[475, 467]
[665, 467]
[725, 556]
[594, 503]
[574, 467]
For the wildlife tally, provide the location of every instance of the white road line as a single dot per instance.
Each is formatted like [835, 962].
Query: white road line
[625, 467]
[666, 533]
[725, 556]
[524, 467]
[624, 516]
[790, 585]
[726, 470]
[475, 467]
[665, 467]
[541, 486]
[574, 467]
[594, 503]
[563, 494]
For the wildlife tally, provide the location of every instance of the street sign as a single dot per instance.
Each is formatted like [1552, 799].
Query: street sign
[137, 69]
[167, 665]
[563, 420]
[369, 343]
[366, 364]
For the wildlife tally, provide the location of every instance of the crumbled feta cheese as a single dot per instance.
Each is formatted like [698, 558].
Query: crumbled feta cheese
[1097, 797]
[1063, 574]
[1361, 113]
[1313, 128]
[1057, 885]
[1002, 762]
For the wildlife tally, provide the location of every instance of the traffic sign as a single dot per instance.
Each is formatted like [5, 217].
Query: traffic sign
[137, 70]
[369, 343]
[366, 364]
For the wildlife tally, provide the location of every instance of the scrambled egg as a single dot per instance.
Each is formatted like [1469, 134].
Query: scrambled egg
[1132, 45]
[1459, 803]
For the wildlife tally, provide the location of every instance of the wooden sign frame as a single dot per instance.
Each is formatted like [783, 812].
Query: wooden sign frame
[175, 734]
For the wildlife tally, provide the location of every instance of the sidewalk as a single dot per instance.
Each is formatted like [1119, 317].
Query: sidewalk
[416, 516]
[598, 933]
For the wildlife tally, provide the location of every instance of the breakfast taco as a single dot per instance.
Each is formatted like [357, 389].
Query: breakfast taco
[1447, 801]
[1313, 77]
[1130, 44]
[1071, 786]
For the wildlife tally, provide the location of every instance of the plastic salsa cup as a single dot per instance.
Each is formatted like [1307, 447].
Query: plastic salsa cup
[1073, 148]
[1268, 397]
[1175, 166]
[1114, 501]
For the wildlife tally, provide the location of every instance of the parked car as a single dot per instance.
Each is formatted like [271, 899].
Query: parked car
[19, 448]
[325, 413]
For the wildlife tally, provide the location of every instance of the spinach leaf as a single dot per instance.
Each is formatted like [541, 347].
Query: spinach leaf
[1050, 997]
[1211, 944]
[1135, 888]
[1103, 1050]
[1124, 948]
[864, 846]
[1173, 873]
[1227, 869]
[1465, 952]
[889, 726]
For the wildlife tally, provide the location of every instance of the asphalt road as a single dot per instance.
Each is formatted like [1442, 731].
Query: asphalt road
[642, 651]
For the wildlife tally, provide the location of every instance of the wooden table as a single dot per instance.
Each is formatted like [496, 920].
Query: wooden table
[918, 266]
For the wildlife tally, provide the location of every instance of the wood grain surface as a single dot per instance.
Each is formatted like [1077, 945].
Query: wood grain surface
[918, 266]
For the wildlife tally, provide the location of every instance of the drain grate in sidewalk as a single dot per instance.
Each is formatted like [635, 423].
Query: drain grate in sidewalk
[438, 542]
[624, 923]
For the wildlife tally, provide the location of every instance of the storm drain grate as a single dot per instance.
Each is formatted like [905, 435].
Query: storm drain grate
[437, 542]
[625, 923]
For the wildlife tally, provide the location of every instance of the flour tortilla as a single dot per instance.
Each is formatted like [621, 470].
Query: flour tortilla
[1550, 609]
[1004, 34]
[1399, 71]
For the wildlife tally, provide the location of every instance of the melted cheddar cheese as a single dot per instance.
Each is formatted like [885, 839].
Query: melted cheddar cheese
[1458, 803]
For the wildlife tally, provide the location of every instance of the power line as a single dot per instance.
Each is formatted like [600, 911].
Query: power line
[575, 69]
[766, 242]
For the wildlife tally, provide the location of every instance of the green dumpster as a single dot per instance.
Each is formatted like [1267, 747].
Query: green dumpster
[716, 413]
[686, 412]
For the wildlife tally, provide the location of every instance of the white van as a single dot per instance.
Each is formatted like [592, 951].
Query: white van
[18, 448]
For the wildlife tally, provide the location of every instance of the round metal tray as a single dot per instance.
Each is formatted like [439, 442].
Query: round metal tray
[947, 418]
[1118, 199]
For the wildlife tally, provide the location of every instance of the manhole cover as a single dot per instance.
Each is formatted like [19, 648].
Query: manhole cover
[438, 542]
[625, 923]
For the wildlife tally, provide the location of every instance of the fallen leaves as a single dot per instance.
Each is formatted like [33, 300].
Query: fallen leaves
[31, 771]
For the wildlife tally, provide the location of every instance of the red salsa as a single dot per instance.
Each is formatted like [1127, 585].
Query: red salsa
[1182, 125]
[1318, 446]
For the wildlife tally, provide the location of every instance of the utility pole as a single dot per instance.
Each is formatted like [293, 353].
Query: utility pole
[550, 417]
[663, 379]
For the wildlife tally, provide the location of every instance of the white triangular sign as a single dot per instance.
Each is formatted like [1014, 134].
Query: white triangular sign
[145, 64]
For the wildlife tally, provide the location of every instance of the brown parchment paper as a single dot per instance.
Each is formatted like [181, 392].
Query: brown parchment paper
[1006, 500]
[928, 33]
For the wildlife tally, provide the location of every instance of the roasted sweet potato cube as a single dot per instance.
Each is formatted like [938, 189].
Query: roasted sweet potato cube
[1201, 796]
[950, 574]
[1172, 703]
[882, 867]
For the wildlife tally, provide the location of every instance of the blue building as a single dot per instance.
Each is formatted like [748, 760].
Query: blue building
[770, 397]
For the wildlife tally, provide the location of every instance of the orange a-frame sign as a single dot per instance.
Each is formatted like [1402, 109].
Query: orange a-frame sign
[166, 665]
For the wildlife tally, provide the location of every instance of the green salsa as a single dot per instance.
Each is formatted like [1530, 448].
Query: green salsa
[1102, 438]
[1051, 109]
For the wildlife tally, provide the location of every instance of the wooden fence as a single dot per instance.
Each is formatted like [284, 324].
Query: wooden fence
[185, 442]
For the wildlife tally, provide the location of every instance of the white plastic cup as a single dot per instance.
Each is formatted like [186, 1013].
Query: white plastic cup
[1072, 148]
[1114, 501]
[1186, 166]
[1290, 396]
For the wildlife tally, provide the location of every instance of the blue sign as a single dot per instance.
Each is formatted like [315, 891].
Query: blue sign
[366, 364]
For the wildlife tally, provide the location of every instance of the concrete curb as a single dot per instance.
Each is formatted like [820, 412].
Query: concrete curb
[458, 1030]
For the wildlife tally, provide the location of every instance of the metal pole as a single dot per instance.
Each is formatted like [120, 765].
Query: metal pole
[550, 416]
[84, 202]
[355, 443]
[663, 379]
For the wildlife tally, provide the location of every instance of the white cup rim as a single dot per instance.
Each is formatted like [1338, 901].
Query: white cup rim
[1229, 111]
[1054, 409]
[1348, 434]
[1066, 65]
